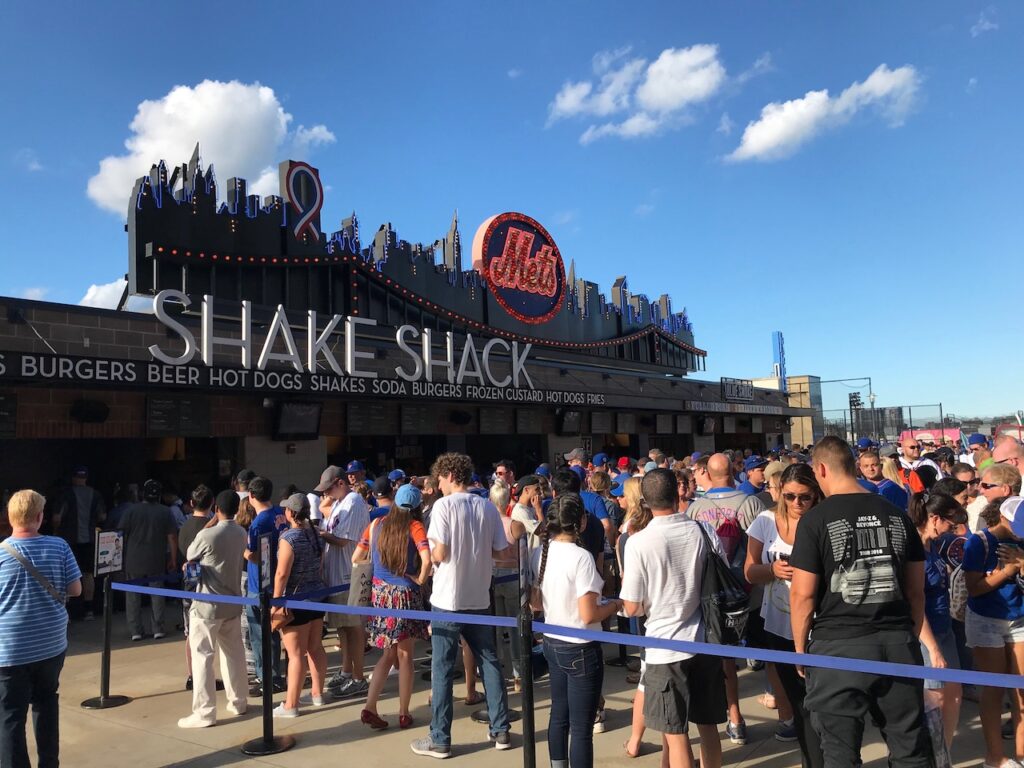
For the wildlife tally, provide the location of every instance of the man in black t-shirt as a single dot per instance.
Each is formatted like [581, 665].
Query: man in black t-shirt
[858, 590]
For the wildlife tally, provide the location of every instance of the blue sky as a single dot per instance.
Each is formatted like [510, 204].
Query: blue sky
[848, 174]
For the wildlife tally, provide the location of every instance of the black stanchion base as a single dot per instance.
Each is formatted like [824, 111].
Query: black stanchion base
[105, 702]
[259, 747]
[481, 716]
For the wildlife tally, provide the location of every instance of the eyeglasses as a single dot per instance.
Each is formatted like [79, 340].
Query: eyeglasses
[990, 486]
[803, 498]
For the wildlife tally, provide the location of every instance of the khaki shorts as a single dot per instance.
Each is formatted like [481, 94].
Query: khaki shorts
[342, 620]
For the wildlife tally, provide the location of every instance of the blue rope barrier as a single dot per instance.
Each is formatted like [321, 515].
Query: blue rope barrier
[507, 579]
[316, 594]
[200, 597]
[990, 679]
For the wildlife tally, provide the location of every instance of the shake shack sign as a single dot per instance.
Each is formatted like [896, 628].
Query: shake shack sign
[332, 361]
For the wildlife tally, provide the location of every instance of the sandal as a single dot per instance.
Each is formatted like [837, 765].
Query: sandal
[625, 748]
[373, 720]
[405, 721]
[633, 678]
[476, 698]
[767, 701]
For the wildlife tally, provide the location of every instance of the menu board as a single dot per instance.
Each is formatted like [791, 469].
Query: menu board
[177, 416]
[601, 422]
[625, 423]
[418, 419]
[495, 421]
[372, 419]
[529, 422]
[8, 415]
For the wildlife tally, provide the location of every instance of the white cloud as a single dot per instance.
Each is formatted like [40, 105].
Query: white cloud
[105, 296]
[644, 209]
[652, 97]
[972, 84]
[27, 160]
[984, 23]
[612, 94]
[725, 124]
[761, 66]
[783, 127]
[680, 77]
[514, 73]
[240, 127]
[35, 294]
[639, 125]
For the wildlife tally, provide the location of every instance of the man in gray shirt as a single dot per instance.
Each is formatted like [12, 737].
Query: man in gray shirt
[150, 549]
[80, 513]
[219, 552]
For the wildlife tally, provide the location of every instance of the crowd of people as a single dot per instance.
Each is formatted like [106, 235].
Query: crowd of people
[875, 553]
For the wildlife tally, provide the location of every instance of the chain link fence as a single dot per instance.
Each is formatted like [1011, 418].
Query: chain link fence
[884, 424]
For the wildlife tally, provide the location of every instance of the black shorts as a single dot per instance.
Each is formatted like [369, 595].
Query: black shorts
[681, 692]
[300, 617]
[85, 556]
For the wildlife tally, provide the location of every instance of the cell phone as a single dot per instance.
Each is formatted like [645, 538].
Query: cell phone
[784, 557]
[192, 574]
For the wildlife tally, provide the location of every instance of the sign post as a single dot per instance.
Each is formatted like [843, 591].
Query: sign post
[109, 553]
[268, 744]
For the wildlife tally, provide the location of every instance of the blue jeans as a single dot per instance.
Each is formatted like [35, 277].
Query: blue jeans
[34, 684]
[445, 654]
[576, 672]
[252, 616]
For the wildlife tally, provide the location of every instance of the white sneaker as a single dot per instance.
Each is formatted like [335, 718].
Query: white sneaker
[599, 725]
[159, 635]
[240, 710]
[282, 711]
[195, 721]
[136, 638]
[309, 699]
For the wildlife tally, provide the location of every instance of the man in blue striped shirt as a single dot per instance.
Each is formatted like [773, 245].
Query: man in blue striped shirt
[33, 631]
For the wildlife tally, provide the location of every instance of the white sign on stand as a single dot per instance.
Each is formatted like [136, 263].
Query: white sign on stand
[109, 552]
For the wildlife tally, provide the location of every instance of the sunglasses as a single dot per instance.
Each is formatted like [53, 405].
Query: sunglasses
[990, 486]
[803, 498]
[912, 448]
[975, 481]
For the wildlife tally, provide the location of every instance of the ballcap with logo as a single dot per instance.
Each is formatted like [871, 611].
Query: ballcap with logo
[543, 470]
[977, 438]
[329, 477]
[600, 460]
[355, 466]
[619, 485]
[408, 496]
[576, 454]
[1013, 510]
[395, 475]
[623, 462]
[753, 462]
[865, 443]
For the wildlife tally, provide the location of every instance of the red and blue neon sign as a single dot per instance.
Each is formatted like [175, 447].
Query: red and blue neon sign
[522, 266]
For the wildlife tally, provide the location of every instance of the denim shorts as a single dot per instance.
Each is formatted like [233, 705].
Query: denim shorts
[984, 632]
[947, 644]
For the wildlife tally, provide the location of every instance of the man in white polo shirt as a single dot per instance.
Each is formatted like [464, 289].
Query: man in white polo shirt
[465, 535]
[662, 580]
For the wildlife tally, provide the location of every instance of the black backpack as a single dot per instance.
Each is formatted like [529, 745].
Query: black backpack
[723, 598]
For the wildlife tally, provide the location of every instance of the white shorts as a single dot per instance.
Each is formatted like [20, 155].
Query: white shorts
[983, 632]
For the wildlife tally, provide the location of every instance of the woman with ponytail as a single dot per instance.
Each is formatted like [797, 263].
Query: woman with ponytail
[567, 587]
[935, 515]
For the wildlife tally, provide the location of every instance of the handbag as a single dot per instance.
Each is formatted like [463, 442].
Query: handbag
[60, 597]
[280, 617]
[723, 599]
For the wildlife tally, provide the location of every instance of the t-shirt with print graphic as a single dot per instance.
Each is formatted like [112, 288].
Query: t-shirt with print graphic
[348, 519]
[857, 544]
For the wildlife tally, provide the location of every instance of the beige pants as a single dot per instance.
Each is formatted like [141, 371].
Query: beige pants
[206, 637]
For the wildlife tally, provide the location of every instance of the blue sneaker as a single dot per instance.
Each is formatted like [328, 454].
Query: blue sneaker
[786, 731]
[737, 732]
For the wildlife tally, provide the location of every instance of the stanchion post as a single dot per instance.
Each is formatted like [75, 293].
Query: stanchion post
[525, 627]
[105, 700]
[268, 744]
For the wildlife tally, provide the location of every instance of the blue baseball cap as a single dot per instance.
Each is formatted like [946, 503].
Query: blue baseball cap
[396, 474]
[355, 466]
[619, 485]
[543, 470]
[753, 462]
[408, 496]
[580, 471]
[695, 456]
[601, 459]
[865, 443]
[977, 439]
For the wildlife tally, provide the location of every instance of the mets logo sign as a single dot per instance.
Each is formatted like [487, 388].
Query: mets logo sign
[522, 266]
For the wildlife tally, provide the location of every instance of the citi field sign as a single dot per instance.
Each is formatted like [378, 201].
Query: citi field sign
[521, 265]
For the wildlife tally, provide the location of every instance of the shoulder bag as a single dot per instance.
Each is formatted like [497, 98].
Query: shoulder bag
[60, 597]
[723, 599]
